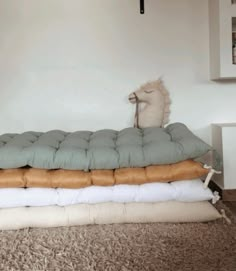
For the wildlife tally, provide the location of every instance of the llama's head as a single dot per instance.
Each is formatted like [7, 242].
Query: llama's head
[157, 104]
[149, 93]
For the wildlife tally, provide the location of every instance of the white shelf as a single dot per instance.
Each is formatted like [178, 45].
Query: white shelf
[233, 10]
[223, 140]
[221, 13]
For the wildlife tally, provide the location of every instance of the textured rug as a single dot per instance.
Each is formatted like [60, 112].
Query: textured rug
[159, 247]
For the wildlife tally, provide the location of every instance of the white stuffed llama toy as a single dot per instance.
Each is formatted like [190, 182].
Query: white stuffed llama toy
[156, 109]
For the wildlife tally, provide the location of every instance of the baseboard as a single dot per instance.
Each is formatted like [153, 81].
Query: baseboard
[225, 194]
[229, 195]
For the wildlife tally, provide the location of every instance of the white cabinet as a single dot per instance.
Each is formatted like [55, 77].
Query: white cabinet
[222, 27]
[224, 141]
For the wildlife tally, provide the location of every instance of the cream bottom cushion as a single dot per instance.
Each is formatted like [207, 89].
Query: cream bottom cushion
[106, 213]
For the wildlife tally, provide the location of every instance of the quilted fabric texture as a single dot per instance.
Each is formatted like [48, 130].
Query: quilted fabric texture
[106, 213]
[104, 149]
[191, 191]
[32, 177]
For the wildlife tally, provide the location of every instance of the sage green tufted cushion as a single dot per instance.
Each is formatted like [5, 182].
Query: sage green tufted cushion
[104, 149]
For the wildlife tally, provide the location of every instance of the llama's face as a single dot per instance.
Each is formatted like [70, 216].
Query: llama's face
[144, 94]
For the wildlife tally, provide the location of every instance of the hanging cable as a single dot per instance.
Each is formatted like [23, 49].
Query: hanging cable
[142, 6]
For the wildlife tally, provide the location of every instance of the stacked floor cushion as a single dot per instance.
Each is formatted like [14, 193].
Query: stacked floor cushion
[106, 213]
[182, 191]
[104, 149]
[134, 175]
[31, 177]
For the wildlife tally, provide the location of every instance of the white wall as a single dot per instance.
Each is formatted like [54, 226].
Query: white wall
[70, 64]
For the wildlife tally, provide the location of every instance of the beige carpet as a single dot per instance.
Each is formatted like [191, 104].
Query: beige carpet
[159, 247]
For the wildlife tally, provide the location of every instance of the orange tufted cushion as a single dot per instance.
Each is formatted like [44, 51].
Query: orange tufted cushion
[33, 177]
